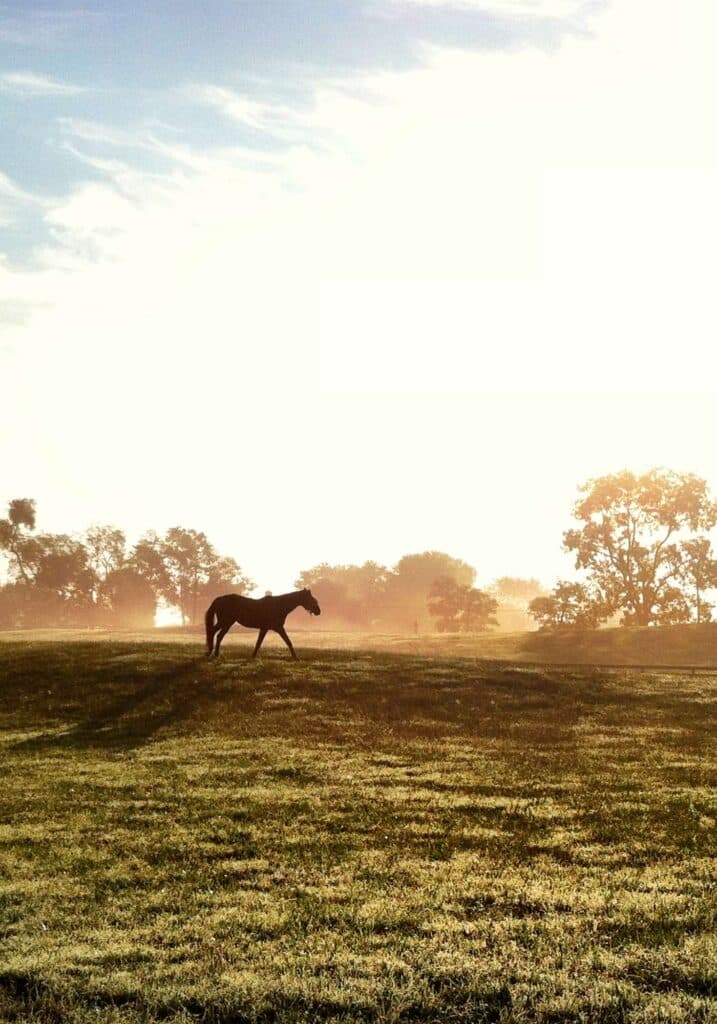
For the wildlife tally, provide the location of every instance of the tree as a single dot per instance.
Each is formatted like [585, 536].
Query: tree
[458, 608]
[351, 593]
[223, 577]
[189, 559]
[14, 536]
[57, 579]
[147, 559]
[409, 584]
[570, 604]
[128, 598]
[445, 604]
[105, 550]
[632, 541]
[479, 611]
[13, 605]
[328, 585]
[514, 594]
[106, 556]
[56, 584]
[699, 571]
[516, 591]
[186, 571]
[60, 566]
[52, 580]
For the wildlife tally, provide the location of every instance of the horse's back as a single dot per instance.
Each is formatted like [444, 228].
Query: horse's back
[228, 603]
[267, 612]
[247, 611]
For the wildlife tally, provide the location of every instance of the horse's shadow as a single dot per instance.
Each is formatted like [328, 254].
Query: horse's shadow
[134, 717]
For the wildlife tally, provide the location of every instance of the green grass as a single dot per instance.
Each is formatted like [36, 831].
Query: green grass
[361, 836]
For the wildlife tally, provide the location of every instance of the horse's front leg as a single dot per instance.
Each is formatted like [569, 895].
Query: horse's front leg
[259, 641]
[283, 634]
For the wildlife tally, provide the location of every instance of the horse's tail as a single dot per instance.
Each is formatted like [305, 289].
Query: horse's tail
[209, 623]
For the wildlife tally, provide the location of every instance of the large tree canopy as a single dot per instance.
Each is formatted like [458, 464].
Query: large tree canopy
[636, 544]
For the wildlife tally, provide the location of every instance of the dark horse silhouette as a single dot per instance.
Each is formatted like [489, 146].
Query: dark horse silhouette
[263, 613]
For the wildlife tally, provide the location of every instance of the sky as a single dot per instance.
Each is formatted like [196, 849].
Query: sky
[333, 280]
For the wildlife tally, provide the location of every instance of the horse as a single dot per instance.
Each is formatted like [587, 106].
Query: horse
[263, 613]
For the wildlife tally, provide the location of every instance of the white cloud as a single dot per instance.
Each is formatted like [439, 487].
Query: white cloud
[11, 190]
[28, 83]
[273, 119]
[574, 15]
[13, 197]
[96, 132]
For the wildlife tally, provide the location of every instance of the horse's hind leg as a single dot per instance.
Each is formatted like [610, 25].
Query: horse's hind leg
[223, 630]
[210, 642]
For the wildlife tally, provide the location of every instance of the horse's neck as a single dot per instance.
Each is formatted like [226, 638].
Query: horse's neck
[290, 601]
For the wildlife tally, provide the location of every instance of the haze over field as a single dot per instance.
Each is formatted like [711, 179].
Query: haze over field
[337, 282]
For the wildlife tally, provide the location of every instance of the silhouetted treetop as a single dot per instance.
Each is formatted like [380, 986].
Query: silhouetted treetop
[106, 549]
[14, 532]
[423, 569]
[634, 542]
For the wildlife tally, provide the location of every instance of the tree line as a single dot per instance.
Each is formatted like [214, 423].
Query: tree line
[640, 543]
[422, 592]
[97, 579]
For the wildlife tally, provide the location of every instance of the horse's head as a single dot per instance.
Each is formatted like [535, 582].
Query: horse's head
[309, 602]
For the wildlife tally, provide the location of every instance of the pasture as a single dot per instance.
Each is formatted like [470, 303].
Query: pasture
[362, 836]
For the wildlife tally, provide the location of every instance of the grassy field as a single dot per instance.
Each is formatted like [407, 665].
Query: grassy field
[686, 645]
[362, 836]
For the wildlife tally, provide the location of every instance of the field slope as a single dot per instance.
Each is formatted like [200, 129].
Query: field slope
[362, 836]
